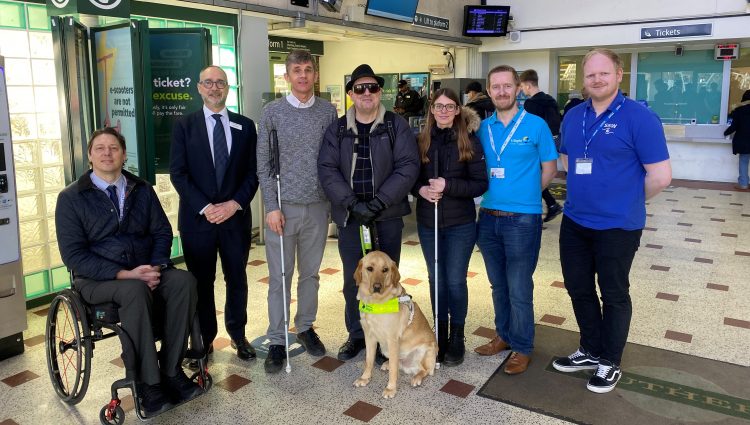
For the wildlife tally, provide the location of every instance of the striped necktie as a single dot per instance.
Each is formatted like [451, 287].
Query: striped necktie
[221, 154]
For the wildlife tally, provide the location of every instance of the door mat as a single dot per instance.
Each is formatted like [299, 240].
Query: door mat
[657, 387]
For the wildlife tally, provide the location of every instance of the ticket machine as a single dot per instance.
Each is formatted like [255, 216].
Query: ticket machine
[12, 293]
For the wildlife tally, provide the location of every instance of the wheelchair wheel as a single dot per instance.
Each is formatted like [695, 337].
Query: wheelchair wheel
[112, 416]
[68, 346]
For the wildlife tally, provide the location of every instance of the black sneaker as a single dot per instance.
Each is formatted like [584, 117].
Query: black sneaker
[153, 399]
[580, 360]
[180, 388]
[310, 340]
[606, 377]
[275, 359]
[553, 212]
[351, 348]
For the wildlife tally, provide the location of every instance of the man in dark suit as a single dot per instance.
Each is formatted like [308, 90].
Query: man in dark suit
[213, 168]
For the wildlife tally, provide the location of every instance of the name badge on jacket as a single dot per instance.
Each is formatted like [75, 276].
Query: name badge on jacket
[235, 125]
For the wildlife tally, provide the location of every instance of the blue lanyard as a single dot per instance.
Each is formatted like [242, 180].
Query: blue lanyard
[601, 124]
[507, 139]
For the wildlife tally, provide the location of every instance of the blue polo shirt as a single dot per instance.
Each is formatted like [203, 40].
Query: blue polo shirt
[531, 144]
[613, 196]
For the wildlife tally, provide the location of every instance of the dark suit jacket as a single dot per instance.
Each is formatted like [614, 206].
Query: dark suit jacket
[191, 169]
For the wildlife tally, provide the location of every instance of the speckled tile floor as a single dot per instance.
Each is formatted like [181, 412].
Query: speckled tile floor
[690, 287]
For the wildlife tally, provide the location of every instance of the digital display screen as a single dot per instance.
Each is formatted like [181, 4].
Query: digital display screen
[400, 10]
[486, 21]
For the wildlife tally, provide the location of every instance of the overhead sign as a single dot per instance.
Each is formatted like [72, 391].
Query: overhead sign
[286, 45]
[676, 31]
[432, 22]
[116, 8]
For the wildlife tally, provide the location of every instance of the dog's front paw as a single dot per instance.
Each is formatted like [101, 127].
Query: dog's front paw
[384, 366]
[361, 382]
[416, 381]
[389, 392]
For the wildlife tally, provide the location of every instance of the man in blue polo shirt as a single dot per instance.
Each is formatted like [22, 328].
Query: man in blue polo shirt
[616, 154]
[510, 218]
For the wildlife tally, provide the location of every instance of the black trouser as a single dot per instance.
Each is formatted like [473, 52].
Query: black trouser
[172, 302]
[608, 254]
[200, 249]
[548, 198]
[350, 250]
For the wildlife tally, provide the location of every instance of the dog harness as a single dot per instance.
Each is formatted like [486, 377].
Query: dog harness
[388, 307]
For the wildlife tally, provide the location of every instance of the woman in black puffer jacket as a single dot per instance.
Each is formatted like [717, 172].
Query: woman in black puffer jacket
[452, 174]
[741, 140]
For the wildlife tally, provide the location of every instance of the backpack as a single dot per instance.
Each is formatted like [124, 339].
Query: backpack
[388, 119]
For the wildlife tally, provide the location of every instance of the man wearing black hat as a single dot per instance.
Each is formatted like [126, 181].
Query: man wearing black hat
[367, 163]
[408, 103]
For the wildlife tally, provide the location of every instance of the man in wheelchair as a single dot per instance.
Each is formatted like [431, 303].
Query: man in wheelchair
[115, 238]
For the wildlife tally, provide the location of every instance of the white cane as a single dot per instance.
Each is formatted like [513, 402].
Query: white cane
[277, 170]
[437, 364]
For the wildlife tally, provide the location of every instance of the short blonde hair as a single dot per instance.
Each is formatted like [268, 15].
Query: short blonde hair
[614, 57]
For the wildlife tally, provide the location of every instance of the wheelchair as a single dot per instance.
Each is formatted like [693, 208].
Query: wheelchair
[73, 329]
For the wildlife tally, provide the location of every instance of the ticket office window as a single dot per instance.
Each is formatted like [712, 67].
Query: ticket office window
[681, 89]
[739, 78]
[570, 76]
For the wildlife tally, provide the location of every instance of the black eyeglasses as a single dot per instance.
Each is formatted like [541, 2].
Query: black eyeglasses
[220, 84]
[360, 88]
[449, 107]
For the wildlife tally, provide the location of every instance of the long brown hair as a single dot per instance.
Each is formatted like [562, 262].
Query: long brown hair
[465, 151]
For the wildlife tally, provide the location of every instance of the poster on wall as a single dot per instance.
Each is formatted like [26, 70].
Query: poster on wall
[177, 57]
[115, 88]
[336, 92]
[419, 81]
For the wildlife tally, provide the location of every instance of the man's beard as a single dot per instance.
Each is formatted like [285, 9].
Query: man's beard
[504, 108]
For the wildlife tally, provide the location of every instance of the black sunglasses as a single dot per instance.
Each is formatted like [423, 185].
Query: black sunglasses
[360, 88]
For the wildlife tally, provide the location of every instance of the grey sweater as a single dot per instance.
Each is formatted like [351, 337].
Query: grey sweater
[300, 132]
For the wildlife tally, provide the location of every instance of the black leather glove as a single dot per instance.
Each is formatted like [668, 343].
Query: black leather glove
[362, 213]
[376, 206]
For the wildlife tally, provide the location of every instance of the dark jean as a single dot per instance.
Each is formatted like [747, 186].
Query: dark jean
[510, 248]
[455, 245]
[350, 250]
[608, 254]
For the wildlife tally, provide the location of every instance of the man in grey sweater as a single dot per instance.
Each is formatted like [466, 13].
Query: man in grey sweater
[299, 121]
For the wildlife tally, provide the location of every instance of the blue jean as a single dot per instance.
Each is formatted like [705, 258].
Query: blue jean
[455, 245]
[510, 248]
[743, 179]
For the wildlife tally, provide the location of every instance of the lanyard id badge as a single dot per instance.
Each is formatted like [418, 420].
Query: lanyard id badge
[497, 173]
[584, 165]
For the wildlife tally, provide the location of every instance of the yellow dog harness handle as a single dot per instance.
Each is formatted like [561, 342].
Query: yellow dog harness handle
[389, 307]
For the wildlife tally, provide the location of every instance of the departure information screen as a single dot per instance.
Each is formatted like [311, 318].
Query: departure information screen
[486, 21]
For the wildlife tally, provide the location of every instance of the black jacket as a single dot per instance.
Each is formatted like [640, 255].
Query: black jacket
[464, 181]
[482, 105]
[394, 166]
[545, 107]
[92, 241]
[741, 128]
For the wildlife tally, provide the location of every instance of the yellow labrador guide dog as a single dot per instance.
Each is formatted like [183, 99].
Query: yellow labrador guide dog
[389, 317]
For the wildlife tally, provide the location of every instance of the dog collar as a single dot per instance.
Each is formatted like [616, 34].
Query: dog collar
[387, 307]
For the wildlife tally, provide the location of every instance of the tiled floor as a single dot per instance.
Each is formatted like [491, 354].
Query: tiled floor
[690, 285]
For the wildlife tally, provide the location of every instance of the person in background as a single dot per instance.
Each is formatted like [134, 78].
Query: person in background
[575, 98]
[367, 164]
[478, 100]
[299, 121]
[408, 102]
[740, 128]
[449, 142]
[617, 157]
[544, 106]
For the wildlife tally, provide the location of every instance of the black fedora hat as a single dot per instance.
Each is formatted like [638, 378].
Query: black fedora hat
[362, 71]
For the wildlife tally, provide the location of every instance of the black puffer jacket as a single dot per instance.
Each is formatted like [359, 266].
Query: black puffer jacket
[394, 166]
[741, 128]
[95, 245]
[464, 181]
[482, 105]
